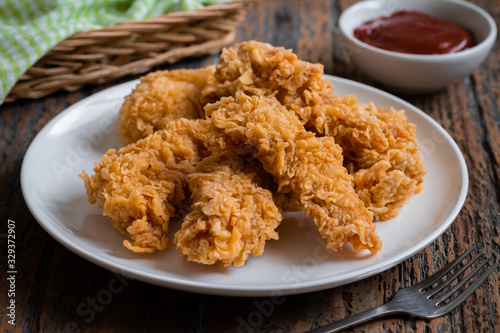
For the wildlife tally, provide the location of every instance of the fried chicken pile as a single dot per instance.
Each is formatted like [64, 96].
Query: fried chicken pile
[379, 146]
[243, 141]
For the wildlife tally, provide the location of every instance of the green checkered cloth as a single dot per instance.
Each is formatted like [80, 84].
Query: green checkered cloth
[31, 28]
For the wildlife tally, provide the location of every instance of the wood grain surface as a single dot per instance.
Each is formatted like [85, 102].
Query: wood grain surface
[56, 290]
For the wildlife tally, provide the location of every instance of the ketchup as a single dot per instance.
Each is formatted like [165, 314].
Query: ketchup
[414, 32]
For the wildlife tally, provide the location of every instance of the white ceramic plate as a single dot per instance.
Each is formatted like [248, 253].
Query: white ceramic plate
[298, 262]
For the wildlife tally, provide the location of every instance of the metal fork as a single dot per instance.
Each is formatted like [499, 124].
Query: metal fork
[423, 299]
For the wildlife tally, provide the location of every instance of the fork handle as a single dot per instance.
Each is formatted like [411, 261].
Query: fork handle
[356, 319]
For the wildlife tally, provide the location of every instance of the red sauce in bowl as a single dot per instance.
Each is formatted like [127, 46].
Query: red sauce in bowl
[414, 32]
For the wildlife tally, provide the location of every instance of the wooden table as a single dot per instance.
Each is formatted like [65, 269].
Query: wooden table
[56, 290]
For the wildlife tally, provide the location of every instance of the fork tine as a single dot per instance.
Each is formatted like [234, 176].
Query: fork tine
[450, 292]
[450, 306]
[443, 271]
[449, 280]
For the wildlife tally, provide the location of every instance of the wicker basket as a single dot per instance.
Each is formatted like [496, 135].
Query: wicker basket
[134, 47]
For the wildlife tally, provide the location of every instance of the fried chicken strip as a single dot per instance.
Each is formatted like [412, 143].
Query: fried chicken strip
[139, 185]
[233, 215]
[161, 97]
[301, 163]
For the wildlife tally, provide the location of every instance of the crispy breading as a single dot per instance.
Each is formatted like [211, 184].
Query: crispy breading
[387, 179]
[261, 69]
[160, 97]
[233, 215]
[366, 136]
[140, 185]
[301, 163]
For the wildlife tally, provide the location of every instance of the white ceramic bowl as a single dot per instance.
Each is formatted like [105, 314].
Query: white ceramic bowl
[413, 72]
